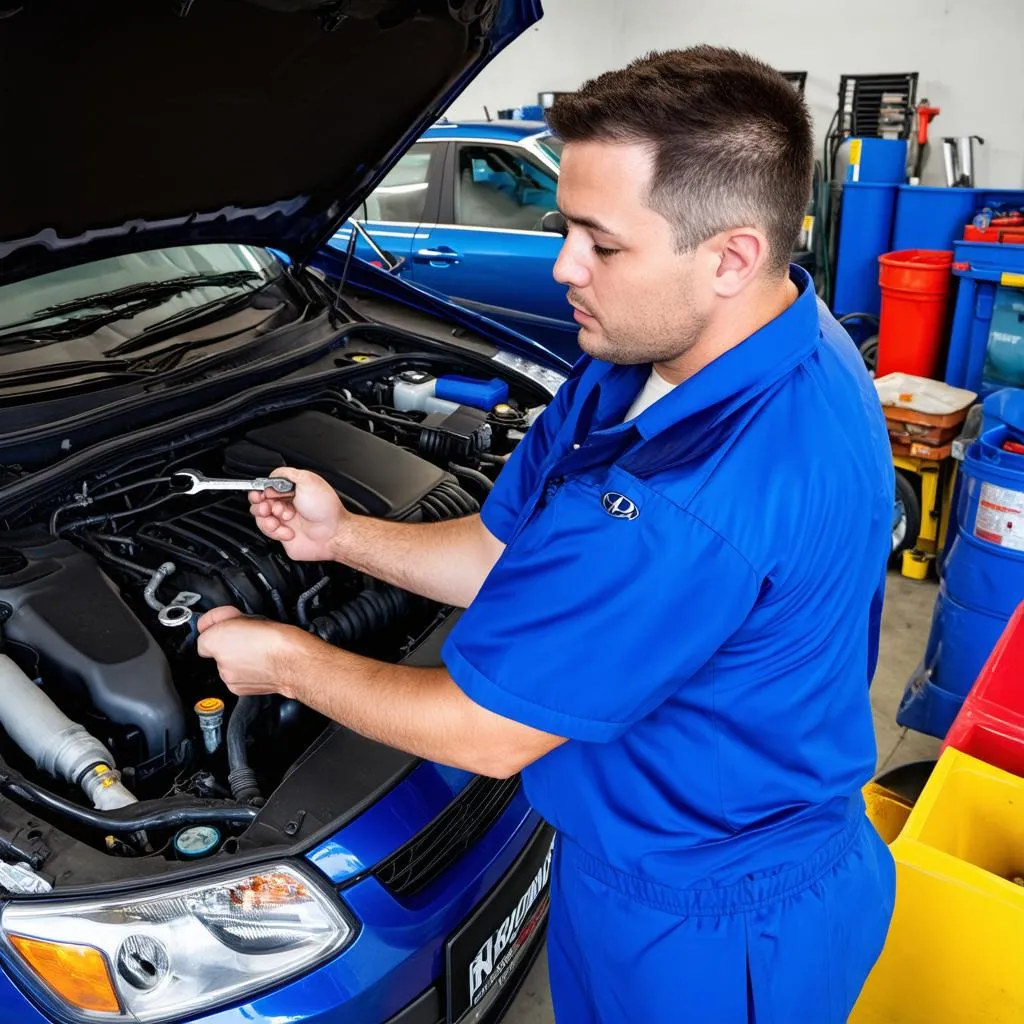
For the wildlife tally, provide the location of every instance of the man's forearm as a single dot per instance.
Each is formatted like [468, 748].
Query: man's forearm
[419, 710]
[446, 562]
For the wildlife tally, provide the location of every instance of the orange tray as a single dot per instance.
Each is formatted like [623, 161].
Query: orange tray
[909, 433]
[916, 450]
[942, 422]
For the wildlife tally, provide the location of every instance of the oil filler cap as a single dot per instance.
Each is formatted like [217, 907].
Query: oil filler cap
[196, 841]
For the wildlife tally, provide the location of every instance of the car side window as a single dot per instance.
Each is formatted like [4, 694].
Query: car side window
[497, 187]
[402, 195]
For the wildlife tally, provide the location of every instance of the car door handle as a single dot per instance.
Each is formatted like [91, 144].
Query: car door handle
[437, 256]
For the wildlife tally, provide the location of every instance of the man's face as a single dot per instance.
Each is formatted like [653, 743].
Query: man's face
[637, 300]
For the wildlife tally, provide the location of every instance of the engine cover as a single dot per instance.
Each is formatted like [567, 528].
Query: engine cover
[372, 475]
[60, 604]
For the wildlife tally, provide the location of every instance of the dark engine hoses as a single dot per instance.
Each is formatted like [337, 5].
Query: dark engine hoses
[367, 613]
[241, 778]
[146, 815]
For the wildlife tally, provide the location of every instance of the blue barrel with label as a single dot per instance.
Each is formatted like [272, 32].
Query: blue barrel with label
[983, 574]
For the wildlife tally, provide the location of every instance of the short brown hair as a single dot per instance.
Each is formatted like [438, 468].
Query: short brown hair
[732, 141]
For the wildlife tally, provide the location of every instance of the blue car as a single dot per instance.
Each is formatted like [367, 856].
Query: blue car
[171, 314]
[470, 213]
[464, 213]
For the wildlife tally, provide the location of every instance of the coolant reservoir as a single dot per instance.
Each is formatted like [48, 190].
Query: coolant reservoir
[414, 392]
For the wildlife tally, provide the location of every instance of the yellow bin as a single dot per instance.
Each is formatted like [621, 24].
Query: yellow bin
[955, 950]
[886, 810]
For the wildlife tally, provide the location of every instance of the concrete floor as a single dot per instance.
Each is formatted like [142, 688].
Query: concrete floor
[906, 620]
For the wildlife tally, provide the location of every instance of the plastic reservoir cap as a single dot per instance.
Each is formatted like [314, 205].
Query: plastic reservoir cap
[481, 394]
[196, 841]
[210, 706]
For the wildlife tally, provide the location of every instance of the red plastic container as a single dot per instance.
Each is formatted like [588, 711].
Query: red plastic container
[990, 724]
[1008, 236]
[915, 287]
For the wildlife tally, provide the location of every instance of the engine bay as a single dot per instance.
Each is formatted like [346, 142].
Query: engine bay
[117, 736]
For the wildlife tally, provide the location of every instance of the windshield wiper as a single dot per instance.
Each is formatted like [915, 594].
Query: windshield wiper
[117, 369]
[118, 304]
[151, 335]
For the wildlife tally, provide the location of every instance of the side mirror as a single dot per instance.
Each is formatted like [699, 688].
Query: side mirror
[554, 222]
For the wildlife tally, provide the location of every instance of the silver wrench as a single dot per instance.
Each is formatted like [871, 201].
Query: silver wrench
[195, 482]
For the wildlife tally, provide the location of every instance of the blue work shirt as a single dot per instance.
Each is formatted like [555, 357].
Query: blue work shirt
[693, 599]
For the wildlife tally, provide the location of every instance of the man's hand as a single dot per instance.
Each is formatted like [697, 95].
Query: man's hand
[253, 655]
[420, 710]
[307, 522]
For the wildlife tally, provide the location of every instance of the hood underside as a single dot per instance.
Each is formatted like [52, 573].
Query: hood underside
[131, 125]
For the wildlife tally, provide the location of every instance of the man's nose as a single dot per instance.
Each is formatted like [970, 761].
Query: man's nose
[569, 269]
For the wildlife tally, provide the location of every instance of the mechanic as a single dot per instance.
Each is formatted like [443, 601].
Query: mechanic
[674, 591]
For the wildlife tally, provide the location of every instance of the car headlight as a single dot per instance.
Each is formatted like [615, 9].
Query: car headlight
[164, 954]
[550, 380]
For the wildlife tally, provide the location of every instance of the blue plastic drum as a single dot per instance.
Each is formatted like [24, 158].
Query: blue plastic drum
[982, 584]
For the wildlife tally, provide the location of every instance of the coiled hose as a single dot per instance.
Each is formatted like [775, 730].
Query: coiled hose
[370, 611]
[447, 501]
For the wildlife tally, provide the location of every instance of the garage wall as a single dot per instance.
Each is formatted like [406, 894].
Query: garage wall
[966, 52]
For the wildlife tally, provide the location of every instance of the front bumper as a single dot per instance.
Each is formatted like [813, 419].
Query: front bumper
[394, 970]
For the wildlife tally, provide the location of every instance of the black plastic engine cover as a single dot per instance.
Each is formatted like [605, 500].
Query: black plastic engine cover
[65, 609]
[373, 475]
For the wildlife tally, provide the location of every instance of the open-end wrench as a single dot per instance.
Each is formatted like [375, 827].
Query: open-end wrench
[193, 482]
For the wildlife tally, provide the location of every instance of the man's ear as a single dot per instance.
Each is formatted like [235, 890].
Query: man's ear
[742, 253]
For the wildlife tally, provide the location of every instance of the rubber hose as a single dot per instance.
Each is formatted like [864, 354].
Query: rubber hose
[450, 508]
[463, 499]
[278, 602]
[241, 778]
[474, 476]
[433, 510]
[446, 500]
[370, 611]
[302, 605]
[133, 818]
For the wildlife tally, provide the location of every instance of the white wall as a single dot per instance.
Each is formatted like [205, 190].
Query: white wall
[969, 54]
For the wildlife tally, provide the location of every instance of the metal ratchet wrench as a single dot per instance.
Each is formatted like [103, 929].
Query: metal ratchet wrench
[196, 482]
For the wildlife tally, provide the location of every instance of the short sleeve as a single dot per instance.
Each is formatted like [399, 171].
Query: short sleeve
[588, 622]
[521, 473]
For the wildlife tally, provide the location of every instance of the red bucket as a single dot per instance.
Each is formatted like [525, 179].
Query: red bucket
[915, 290]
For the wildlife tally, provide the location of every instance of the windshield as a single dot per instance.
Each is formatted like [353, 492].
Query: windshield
[63, 295]
[552, 146]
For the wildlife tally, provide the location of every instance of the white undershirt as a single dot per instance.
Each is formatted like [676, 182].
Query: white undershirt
[655, 388]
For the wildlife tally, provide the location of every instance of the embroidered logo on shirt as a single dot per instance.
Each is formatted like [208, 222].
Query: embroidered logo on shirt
[619, 506]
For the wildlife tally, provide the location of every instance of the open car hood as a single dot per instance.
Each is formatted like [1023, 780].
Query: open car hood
[129, 126]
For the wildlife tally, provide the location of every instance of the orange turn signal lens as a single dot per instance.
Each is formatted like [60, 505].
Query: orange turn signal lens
[78, 974]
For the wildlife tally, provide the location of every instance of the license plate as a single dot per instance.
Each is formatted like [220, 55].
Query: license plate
[482, 956]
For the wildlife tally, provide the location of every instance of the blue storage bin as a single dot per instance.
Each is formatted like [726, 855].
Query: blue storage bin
[983, 268]
[881, 161]
[934, 218]
[865, 230]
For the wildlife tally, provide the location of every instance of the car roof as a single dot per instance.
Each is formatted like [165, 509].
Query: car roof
[498, 131]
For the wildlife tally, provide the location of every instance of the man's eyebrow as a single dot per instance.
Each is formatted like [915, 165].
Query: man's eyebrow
[587, 222]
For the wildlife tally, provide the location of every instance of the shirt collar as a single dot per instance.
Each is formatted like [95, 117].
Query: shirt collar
[746, 369]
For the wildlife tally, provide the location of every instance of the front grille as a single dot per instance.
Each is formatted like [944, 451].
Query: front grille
[437, 847]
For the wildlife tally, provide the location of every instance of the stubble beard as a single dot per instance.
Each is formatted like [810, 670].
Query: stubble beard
[658, 343]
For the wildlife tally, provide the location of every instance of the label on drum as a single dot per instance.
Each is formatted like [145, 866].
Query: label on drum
[1000, 518]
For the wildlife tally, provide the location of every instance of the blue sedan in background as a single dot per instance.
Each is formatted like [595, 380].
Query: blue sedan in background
[463, 214]
[464, 211]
